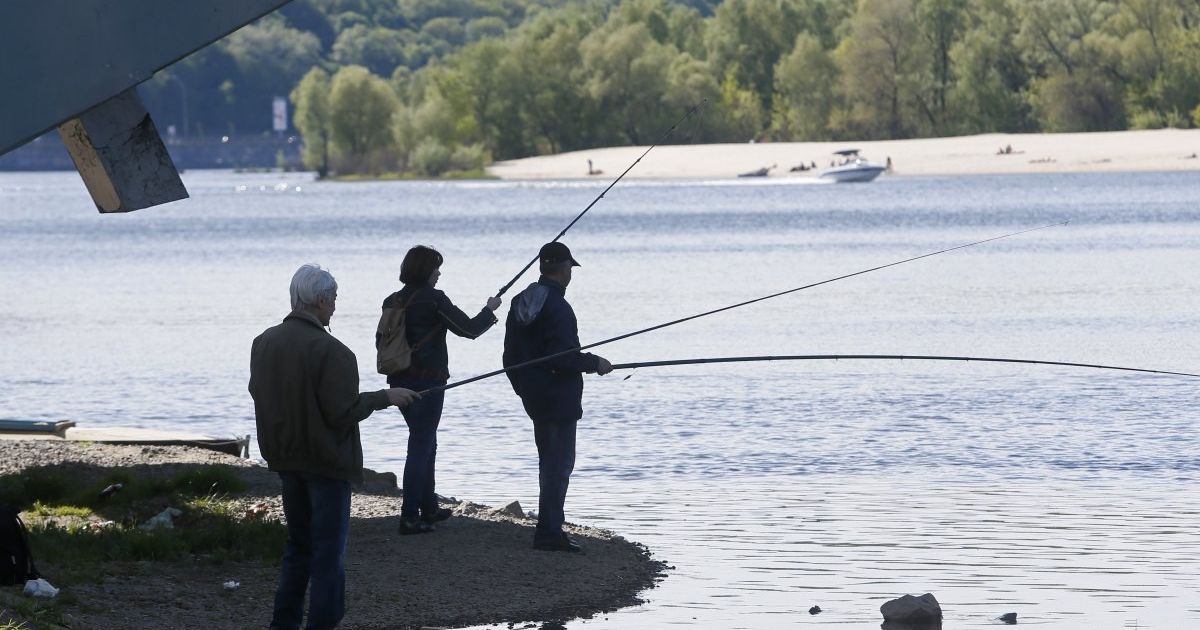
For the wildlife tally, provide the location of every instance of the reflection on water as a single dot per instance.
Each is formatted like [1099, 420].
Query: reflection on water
[1065, 496]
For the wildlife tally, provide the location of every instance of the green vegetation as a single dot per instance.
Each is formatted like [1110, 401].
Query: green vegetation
[74, 525]
[432, 86]
[48, 490]
[77, 531]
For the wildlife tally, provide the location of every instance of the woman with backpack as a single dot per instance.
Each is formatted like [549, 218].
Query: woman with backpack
[427, 315]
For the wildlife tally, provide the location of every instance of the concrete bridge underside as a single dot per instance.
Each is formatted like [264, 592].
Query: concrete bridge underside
[73, 65]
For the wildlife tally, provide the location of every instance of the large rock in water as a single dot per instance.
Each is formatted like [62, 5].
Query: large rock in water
[912, 610]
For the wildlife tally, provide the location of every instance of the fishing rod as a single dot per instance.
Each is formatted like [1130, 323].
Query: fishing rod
[730, 307]
[900, 357]
[529, 264]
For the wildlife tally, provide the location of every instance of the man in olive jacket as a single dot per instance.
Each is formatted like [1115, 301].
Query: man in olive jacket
[307, 408]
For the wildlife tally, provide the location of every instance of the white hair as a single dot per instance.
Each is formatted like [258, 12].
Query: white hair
[310, 285]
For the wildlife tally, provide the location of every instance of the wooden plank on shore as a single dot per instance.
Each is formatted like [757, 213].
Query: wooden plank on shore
[132, 435]
[35, 426]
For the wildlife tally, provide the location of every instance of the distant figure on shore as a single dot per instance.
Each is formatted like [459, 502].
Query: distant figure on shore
[541, 323]
[592, 171]
[1005, 150]
[307, 407]
[429, 313]
[888, 164]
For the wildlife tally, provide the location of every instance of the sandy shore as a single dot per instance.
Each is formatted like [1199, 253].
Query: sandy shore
[477, 568]
[1156, 150]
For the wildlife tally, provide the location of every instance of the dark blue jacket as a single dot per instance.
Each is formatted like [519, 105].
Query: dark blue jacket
[541, 323]
[430, 314]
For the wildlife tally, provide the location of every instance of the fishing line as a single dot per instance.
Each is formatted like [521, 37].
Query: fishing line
[899, 357]
[529, 264]
[730, 307]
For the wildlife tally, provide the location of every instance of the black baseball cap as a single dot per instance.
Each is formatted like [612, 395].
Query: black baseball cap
[555, 253]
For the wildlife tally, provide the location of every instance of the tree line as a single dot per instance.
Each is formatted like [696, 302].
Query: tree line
[512, 78]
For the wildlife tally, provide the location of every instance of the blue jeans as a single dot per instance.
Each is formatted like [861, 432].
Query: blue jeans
[422, 417]
[318, 523]
[556, 460]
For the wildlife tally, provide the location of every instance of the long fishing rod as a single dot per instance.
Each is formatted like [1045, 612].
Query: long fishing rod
[529, 264]
[900, 357]
[730, 307]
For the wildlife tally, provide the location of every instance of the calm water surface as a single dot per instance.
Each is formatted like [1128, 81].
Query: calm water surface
[1067, 496]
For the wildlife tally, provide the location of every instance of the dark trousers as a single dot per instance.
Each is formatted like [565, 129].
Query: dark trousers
[422, 417]
[556, 460]
[318, 523]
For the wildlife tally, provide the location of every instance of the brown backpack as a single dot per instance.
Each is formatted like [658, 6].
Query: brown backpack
[393, 353]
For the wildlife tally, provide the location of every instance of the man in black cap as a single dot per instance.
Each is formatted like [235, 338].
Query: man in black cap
[541, 323]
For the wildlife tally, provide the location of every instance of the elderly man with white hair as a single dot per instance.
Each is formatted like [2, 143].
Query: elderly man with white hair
[307, 407]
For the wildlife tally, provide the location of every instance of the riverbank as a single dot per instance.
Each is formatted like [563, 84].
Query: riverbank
[478, 568]
[1147, 150]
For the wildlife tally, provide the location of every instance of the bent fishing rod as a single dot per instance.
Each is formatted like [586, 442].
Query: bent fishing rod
[730, 307]
[665, 135]
[900, 357]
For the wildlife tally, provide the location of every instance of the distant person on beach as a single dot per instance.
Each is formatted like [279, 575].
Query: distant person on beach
[429, 313]
[307, 408]
[541, 323]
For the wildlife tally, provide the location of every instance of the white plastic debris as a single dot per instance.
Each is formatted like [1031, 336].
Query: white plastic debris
[40, 588]
[162, 519]
[231, 585]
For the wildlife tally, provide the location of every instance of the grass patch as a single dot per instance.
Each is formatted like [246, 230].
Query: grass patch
[209, 529]
[53, 488]
[75, 525]
[42, 510]
[36, 613]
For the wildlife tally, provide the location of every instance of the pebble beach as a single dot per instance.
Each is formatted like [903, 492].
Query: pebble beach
[478, 568]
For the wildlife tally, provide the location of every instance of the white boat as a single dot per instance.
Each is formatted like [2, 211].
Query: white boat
[852, 167]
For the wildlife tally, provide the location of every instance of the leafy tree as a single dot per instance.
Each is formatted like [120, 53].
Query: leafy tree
[1076, 62]
[989, 93]
[740, 111]
[748, 37]
[939, 23]
[378, 49]
[312, 118]
[877, 62]
[485, 27]
[360, 108]
[805, 83]
[1079, 101]
[627, 73]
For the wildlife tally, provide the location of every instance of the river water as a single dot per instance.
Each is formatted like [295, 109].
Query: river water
[1067, 496]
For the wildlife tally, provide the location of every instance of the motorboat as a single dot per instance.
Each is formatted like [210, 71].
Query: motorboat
[851, 167]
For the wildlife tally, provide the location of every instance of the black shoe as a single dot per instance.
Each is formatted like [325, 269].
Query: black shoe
[407, 528]
[564, 543]
[436, 516]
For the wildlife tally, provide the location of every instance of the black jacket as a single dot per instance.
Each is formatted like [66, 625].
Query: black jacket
[430, 310]
[541, 323]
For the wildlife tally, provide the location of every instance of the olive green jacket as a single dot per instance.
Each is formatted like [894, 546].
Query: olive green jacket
[306, 400]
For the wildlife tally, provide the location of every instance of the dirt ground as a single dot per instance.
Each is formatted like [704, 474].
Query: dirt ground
[477, 568]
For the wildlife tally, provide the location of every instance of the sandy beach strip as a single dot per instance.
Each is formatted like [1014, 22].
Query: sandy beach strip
[477, 568]
[1151, 150]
